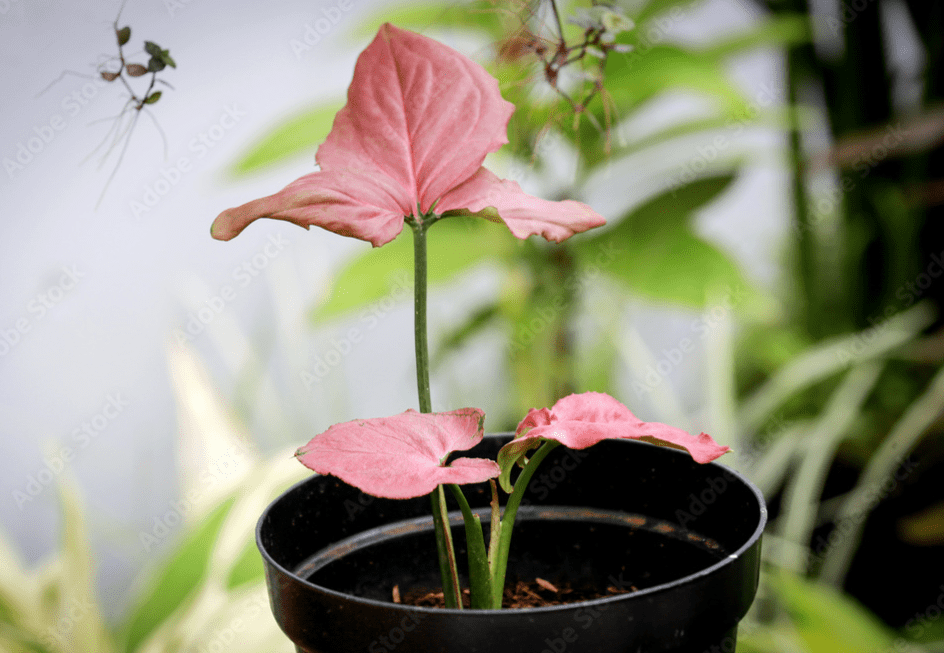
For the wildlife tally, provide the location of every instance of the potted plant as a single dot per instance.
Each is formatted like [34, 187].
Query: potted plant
[630, 547]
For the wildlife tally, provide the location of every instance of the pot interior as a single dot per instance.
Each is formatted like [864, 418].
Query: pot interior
[591, 553]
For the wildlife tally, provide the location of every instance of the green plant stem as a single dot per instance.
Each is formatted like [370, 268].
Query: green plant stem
[500, 560]
[446, 555]
[479, 576]
[420, 225]
[494, 525]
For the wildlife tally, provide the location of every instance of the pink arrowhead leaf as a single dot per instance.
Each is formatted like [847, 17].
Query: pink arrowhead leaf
[419, 120]
[403, 456]
[579, 421]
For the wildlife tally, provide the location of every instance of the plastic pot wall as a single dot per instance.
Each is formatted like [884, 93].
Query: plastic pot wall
[621, 514]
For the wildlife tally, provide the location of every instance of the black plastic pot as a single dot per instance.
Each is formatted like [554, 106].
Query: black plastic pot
[622, 513]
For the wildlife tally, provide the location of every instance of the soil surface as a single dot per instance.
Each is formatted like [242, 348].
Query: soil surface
[532, 593]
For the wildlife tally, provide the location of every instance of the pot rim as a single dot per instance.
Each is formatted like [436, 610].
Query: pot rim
[604, 600]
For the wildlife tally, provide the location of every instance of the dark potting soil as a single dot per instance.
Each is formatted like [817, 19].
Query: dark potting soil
[533, 593]
[582, 561]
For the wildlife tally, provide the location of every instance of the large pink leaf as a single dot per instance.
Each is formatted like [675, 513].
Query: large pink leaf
[419, 120]
[524, 214]
[419, 114]
[323, 199]
[579, 421]
[401, 457]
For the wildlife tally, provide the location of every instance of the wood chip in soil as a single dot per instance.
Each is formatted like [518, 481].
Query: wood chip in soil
[533, 593]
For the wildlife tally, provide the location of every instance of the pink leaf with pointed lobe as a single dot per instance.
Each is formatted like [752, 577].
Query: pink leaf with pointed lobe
[419, 120]
[579, 421]
[401, 457]
[524, 214]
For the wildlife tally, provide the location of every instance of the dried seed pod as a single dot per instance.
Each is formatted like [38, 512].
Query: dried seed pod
[135, 69]
[108, 76]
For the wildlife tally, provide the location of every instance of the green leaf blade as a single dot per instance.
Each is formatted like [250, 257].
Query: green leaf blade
[660, 257]
[180, 576]
[301, 133]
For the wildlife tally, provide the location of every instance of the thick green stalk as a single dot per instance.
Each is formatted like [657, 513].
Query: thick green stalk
[500, 560]
[445, 550]
[479, 577]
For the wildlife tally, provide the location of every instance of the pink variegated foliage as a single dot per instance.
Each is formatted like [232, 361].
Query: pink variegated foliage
[579, 421]
[406, 455]
[402, 456]
[419, 120]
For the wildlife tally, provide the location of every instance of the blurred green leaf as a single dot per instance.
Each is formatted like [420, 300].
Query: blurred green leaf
[247, 568]
[455, 339]
[479, 15]
[123, 34]
[655, 253]
[634, 77]
[654, 10]
[782, 30]
[827, 358]
[827, 620]
[301, 133]
[178, 578]
[16, 640]
[456, 244]
[77, 578]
